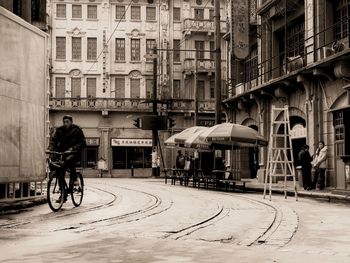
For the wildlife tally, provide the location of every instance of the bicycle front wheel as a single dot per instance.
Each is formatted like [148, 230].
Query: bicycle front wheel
[54, 193]
[77, 190]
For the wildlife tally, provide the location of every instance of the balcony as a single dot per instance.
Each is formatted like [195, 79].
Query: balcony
[127, 105]
[323, 55]
[99, 104]
[203, 66]
[205, 25]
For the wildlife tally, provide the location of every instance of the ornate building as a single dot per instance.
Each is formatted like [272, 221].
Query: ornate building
[298, 55]
[100, 74]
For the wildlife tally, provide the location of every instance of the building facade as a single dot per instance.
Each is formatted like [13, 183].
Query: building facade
[101, 76]
[298, 55]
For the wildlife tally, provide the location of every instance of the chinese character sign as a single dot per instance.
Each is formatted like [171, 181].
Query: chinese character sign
[240, 28]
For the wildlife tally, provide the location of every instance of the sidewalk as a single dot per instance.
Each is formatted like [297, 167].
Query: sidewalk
[328, 193]
[14, 207]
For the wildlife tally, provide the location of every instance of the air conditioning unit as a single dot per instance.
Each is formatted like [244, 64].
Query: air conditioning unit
[294, 63]
[239, 88]
[327, 51]
[338, 46]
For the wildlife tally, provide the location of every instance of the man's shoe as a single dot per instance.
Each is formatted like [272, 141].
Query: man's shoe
[60, 199]
[76, 183]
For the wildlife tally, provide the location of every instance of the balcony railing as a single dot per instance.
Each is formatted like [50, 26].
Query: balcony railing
[203, 25]
[203, 65]
[127, 105]
[319, 49]
[91, 104]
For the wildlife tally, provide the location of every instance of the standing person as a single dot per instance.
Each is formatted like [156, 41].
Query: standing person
[180, 160]
[320, 164]
[68, 138]
[305, 160]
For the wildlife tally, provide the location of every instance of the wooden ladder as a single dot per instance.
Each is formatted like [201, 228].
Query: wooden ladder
[280, 160]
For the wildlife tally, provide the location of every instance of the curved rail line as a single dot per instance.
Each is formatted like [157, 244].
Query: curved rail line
[157, 201]
[29, 220]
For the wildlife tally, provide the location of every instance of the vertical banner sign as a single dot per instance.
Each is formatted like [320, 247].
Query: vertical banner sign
[240, 28]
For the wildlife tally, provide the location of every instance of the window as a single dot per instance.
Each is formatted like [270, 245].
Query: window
[341, 20]
[176, 53]
[120, 49]
[135, 50]
[149, 86]
[212, 47]
[150, 13]
[176, 88]
[199, 45]
[135, 13]
[150, 44]
[212, 89]
[92, 11]
[137, 157]
[200, 89]
[91, 48]
[61, 11]
[120, 87]
[91, 87]
[177, 14]
[88, 157]
[76, 48]
[60, 87]
[295, 39]
[120, 12]
[339, 133]
[135, 88]
[76, 11]
[199, 14]
[211, 14]
[76, 87]
[251, 65]
[60, 48]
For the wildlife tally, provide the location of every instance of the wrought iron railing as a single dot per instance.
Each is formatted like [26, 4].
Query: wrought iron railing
[319, 47]
[115, 104]
[203, 25]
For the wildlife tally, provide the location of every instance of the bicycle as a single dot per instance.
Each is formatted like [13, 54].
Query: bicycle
[56, 193]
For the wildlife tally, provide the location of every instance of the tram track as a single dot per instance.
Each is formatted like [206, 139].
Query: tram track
[67, 213]
[136, 215]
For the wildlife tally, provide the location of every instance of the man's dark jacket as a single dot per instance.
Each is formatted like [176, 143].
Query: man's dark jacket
[63, 139]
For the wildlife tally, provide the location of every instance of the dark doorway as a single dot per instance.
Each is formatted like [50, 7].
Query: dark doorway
[253, 157]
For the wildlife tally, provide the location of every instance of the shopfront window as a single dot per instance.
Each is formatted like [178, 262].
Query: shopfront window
[88, 157]
[339, 133]
[127, 157]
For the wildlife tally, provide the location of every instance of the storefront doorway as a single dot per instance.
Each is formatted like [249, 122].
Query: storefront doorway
[128, 153]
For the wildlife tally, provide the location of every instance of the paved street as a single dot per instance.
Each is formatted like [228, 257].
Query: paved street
[144, 220]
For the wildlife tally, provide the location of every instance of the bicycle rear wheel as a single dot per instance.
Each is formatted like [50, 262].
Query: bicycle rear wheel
[55, 196]
[77, 192]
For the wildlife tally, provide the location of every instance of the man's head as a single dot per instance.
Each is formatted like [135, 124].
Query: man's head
[67, 121]
[179, 152]
[321, 144]
[306, 147]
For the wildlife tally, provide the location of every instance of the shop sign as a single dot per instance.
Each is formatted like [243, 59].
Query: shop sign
[92, 141]
[240, 28]
[132, 142]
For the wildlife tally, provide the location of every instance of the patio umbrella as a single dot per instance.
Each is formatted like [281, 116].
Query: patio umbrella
[179, 139]
[185, 134]
[194, 142]
[233, 134]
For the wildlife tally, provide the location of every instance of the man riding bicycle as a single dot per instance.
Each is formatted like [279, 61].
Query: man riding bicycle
[68, 138]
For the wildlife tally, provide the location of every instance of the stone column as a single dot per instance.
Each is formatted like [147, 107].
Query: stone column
[105, 150]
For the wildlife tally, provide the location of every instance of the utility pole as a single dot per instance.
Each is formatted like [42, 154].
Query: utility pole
[196, 90]
[217, 63]
[154, 102]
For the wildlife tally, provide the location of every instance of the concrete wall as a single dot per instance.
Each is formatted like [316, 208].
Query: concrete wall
[23, 90]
